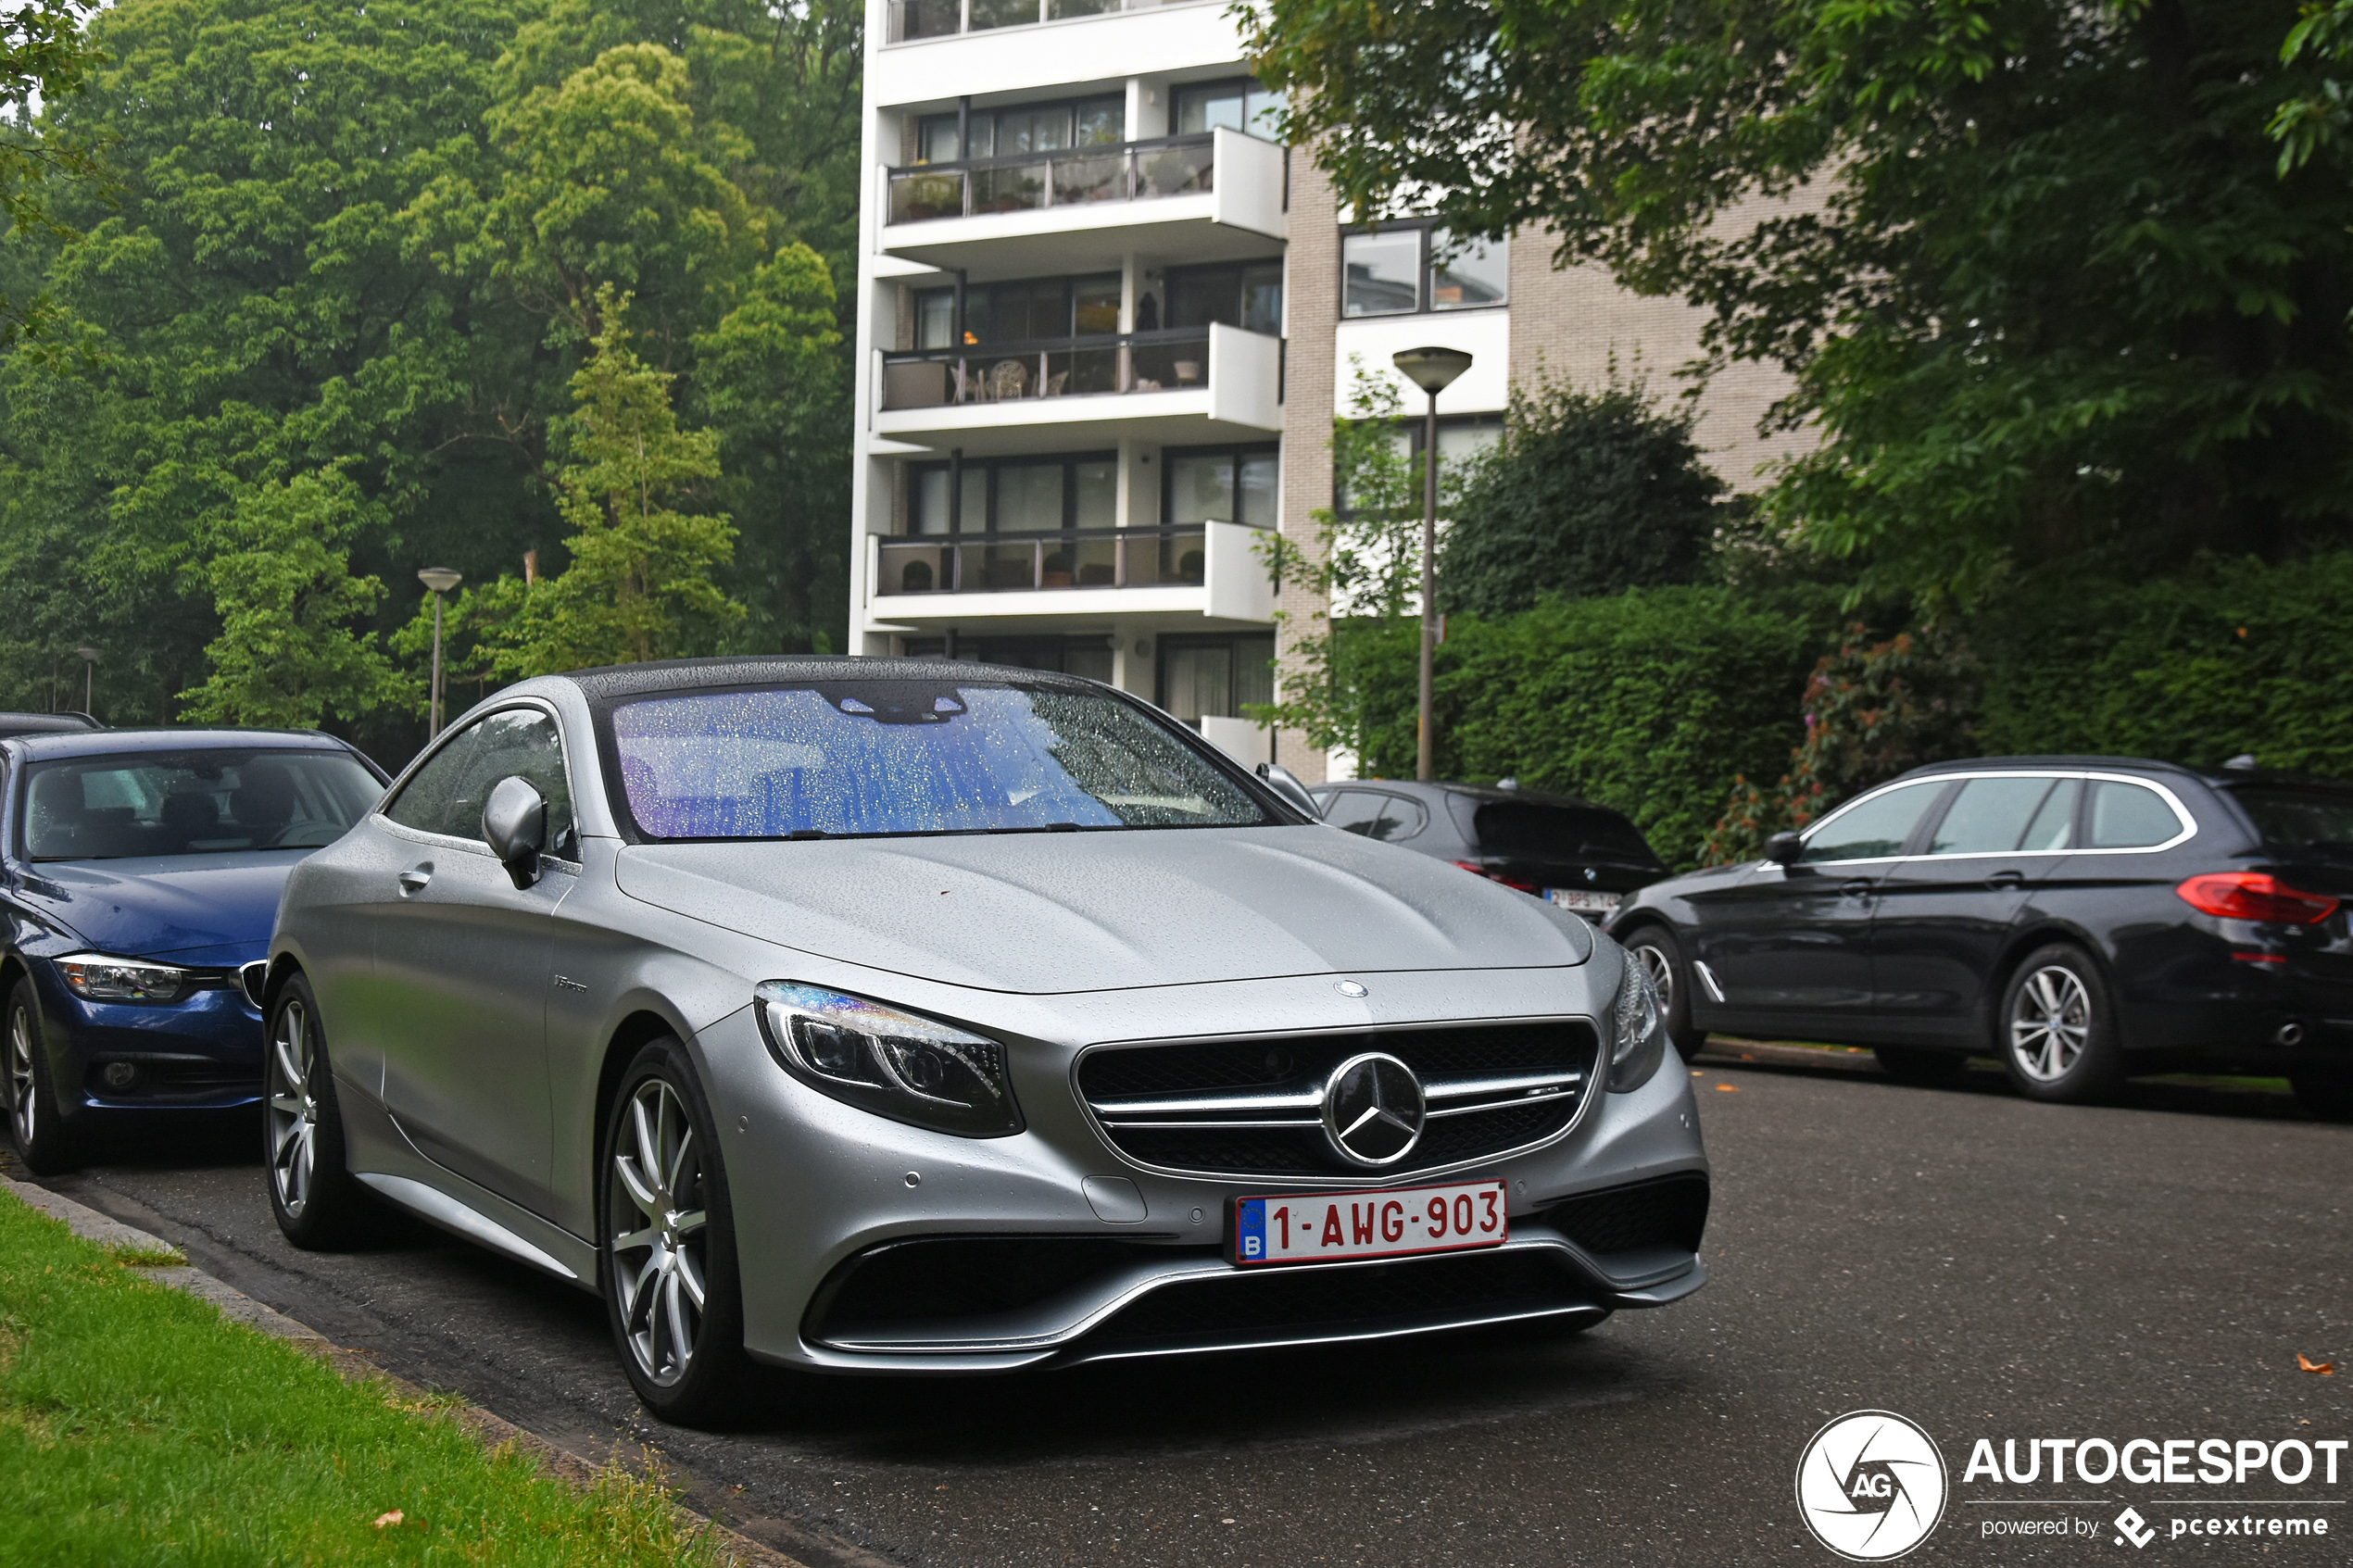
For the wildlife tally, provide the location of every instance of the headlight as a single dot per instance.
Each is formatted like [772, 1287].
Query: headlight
[892, 1063]
[96, 978]
[1637, 1029]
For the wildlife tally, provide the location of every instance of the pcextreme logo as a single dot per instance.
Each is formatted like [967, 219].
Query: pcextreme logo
[1870, 1486]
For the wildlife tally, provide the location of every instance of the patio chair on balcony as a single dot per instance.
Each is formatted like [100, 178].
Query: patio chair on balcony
[1008, 380]
[915, 577]
[1053, 387]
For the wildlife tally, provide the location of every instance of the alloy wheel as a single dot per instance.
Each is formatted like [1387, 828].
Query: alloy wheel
[1661, 972]
[22, 1098]
[2050, 1023]
[293, 1108]
[660, 1226]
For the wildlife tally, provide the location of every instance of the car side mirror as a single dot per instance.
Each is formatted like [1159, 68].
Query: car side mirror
[514, 823]
[1282, 782]
[1783, 848]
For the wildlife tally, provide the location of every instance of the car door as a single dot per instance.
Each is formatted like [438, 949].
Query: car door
[1944, 914]
[463, 959]
[1789, 946]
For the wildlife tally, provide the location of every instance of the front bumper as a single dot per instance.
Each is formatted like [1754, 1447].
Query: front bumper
[820, 1191]
[202, 1052]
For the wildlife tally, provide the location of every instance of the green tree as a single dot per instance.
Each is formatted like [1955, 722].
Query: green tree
[45, 57]
[2041, 288]
[640, 582]
[281, 580]
[1589, 493]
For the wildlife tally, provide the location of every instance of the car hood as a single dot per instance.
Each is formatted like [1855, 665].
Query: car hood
[1091, 912]
[197, 909]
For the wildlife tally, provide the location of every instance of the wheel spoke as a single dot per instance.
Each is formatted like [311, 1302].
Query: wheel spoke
[641, 1294]
[629, 1241]
[690, 1221]
[689, 1275]
[672, 1184]
[681, 1339]
[632, 1181]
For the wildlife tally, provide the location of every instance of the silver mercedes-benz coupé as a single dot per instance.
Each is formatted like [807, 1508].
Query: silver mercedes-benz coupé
[908, 1016]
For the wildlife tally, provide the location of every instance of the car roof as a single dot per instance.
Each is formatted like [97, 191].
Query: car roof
[2222, 777]
[112, 743]
[1483, 794]
[608, 682]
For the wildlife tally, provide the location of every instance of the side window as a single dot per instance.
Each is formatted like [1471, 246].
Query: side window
[1353, 810]
[1989, 817]
[1400, 817]
[1879, 827]
[2054, 824]
[448, 793]
[2129, 816]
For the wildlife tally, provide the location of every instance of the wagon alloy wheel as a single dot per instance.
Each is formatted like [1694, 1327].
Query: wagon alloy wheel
[660, 1231]
[22, 1102]
[2050, 1023]
[293, 1108]
[1661, 973]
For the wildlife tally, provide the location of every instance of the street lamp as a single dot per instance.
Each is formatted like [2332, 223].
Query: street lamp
[440, 578]
[89, 677]
[1432, 369]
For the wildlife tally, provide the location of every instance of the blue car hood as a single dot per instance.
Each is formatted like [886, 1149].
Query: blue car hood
[208, 909]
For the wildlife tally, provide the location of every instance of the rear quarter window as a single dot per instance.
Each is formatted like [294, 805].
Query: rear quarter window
[2128, 816]
[2302, 822]
[1529, 830]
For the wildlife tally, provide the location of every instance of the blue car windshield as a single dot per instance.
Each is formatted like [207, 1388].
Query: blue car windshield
[866, 758]
[193, 803]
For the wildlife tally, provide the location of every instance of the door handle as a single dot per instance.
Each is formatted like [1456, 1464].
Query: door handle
[2006, 880]
[413, 880]
[1856, 889]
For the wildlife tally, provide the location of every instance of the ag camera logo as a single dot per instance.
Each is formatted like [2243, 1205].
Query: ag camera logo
[1872, 1485]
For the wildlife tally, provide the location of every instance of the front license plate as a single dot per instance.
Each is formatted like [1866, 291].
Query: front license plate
[1577, 899]
[1323, 1228]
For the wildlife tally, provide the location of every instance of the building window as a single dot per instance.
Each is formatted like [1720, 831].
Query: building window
[1043, 495]
[1089, 657]
[1023, 129]
[1220, 484]
[1249, 296]
[1213, 677]
[1236, 103]
[1025, 309]
[1461, 437]
[1397, 270]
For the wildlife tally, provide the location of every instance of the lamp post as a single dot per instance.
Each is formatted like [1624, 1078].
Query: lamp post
[440, 578]
[89, 677]
[1432, 369]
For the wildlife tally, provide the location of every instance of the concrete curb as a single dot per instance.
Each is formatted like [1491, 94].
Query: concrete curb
[235, 1305]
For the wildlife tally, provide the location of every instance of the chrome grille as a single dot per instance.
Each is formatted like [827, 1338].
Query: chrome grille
[1254, 1106]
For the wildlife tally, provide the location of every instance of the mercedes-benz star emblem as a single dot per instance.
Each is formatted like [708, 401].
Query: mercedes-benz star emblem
[1373, 1109]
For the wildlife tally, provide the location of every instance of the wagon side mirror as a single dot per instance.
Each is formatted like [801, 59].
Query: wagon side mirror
[1783, 848]
[514, 823]
[1282, 782]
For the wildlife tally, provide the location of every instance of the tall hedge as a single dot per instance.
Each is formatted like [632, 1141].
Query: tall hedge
[1648, 701]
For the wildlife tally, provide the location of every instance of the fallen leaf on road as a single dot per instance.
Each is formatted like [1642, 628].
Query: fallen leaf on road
[2326, 1369]
[1728, 1088]
[393, 1518]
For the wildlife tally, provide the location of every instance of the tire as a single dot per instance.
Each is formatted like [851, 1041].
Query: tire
[666, 1234]
[1919, 1066]
[318, 1203]
[2056, 1030]
[1657, 951]
[43, 1143]
[2325, 1097]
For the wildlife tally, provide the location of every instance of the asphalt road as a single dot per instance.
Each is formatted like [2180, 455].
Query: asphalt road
[1985, 1266]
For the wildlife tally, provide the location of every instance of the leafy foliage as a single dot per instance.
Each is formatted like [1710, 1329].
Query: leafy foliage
[2043, 290]
[1588, 494]
[45, 56]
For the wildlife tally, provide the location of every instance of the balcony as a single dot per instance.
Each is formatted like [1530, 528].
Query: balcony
[1212, 197]
[1210, 568]
[1184, 385]
[914, 19]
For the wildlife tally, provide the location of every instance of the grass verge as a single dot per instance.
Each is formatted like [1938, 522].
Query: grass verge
[137, 1425]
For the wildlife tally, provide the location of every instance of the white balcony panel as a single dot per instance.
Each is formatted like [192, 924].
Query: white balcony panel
[1067, 606]
[1485, 336]
[1241, 219]
[1020, 60]
[1240, 587]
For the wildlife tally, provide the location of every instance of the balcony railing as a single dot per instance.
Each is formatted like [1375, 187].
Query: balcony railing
[1078, 558]
[1165, 166]
[941, 18]
[1176, 359]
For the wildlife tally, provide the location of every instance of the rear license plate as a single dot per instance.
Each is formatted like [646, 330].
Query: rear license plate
[1323, 1228]
[1578, 899]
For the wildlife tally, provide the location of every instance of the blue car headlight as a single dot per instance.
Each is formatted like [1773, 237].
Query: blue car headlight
[95, 977]
[1637, 1029]
[897, 1064]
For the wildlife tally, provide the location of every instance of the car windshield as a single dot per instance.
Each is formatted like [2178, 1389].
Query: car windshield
[2305, 821]
[193, 803]
[1530, 831]
[869, 758]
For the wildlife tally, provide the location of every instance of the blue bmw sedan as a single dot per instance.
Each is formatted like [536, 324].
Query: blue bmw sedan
[139, 876]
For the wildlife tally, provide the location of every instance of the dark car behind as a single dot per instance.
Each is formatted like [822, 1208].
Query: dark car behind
[2082, 917]
[1576, 853]
[46, 724]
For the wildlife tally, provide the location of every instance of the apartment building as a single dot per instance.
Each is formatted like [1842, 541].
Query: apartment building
[1105, 322]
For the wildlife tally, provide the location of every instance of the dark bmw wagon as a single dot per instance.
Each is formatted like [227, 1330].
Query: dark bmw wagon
[2082, 917]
